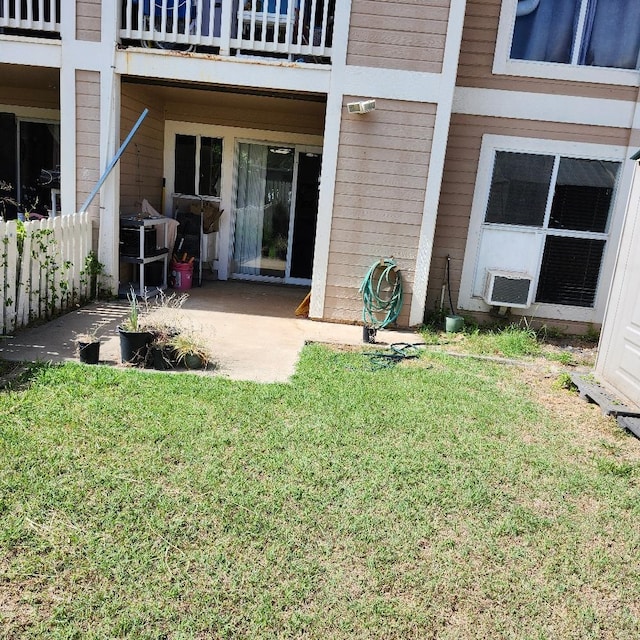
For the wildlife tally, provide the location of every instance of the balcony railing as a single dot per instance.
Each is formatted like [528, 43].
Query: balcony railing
[18, 16]
[291, 29]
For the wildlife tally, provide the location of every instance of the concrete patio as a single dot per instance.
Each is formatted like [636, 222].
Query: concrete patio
[251, 329]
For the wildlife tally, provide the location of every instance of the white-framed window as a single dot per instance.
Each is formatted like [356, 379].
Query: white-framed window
[545, 210]
[587, 40]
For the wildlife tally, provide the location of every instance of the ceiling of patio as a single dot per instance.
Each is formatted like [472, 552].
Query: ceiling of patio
[23, 76]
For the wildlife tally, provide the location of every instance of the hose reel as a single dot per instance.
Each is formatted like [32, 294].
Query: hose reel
[381, 292]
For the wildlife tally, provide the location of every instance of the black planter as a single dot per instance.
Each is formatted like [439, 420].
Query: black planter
[134, 346]
[162, 358]
[89, 352]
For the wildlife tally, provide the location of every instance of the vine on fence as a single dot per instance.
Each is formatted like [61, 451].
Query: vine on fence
[47, 285]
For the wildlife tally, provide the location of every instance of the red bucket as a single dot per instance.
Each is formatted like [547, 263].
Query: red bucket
[182, 275]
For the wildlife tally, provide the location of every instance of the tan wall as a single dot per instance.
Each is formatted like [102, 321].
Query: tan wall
[394, 34]
[477, 53]
[88, 13]
[461, 164]
[252, 112]
[383, 161]
[87, 137]
[141, 163]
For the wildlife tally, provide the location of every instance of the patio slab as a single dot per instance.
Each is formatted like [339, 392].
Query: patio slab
[251, 329]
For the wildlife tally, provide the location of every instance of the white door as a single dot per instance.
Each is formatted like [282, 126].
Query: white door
[618, 362]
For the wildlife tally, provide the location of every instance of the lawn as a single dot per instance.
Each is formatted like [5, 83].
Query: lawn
[440, 498]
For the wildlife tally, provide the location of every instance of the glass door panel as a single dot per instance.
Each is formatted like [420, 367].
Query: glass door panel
[306, 215]
[263, 210]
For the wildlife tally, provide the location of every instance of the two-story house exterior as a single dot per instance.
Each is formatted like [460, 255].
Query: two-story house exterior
[498, 144]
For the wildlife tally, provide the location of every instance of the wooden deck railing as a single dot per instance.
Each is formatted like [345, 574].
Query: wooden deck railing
[295, 29]
[30, 15]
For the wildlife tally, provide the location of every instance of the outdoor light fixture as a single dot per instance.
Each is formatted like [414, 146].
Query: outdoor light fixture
[364, 106]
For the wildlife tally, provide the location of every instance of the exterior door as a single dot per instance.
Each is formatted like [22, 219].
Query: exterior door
[303, 235]
[619, 353]
[276, 209]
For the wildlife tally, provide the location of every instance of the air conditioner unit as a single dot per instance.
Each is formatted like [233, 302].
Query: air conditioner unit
[508, 289]
[361, 107]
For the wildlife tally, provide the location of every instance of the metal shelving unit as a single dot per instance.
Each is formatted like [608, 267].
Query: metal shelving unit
[147, 253]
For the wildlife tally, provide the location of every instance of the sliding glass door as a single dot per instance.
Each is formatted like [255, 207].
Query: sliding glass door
[263, 210]
[276, 210]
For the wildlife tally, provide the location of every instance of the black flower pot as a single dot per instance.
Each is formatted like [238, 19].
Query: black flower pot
[162, 358]
[89, 352]
[134, 346]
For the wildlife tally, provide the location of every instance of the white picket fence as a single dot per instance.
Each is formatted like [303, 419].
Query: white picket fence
[41, 268]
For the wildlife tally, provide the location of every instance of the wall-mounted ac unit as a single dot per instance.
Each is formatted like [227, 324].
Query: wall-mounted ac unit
[508, 289]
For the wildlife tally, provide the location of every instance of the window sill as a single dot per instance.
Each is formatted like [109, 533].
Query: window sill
[541, 310]
[567, 72]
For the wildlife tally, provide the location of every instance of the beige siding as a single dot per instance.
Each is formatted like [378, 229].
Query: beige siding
[383, 161]
[88, 13]
[461, 164]
[477, 53]
[88, 137]
[251, 112]
[394, 34]
[141, 163]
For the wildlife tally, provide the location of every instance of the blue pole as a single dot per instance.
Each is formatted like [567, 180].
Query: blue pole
[114, 161]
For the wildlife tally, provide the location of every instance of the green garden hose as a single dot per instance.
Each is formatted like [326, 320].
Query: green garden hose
[381, 292]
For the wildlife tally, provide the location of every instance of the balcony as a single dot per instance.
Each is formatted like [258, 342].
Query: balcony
[30, 17]
[297, 30]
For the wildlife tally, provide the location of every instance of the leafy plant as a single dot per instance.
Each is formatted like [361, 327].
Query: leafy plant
[92, 268]
[132, 322]
[87, 337]
[190, 345]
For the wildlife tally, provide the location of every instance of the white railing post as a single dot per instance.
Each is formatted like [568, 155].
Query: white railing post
[226, 20]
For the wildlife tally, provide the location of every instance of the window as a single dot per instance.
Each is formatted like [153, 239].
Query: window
[578, 32]
[564, 205]
[198, 156]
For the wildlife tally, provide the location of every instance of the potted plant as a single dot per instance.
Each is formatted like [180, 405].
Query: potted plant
[88, 345]
[134, 337]
[161, 354]
[190, 351]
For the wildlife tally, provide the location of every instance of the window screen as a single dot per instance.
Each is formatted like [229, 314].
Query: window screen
[583, 194]
[570, 270]
[519, 189]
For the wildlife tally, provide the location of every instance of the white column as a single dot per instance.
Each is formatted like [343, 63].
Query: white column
[109, 232]
[333, 118]
[68, 108]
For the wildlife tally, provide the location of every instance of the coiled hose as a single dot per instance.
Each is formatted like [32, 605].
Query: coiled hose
[381, 292]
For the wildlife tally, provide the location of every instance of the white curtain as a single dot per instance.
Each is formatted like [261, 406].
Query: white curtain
[250, 206]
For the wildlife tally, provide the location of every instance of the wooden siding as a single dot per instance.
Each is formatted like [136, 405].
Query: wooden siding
[142, 162]
[383, 162]
[88, 18]
[87, 138]
[394, 34]
[461, 165]
[251, 112]
[477, 53]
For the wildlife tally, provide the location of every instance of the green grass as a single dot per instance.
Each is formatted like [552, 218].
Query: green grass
[433, 499]
[515, 341]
